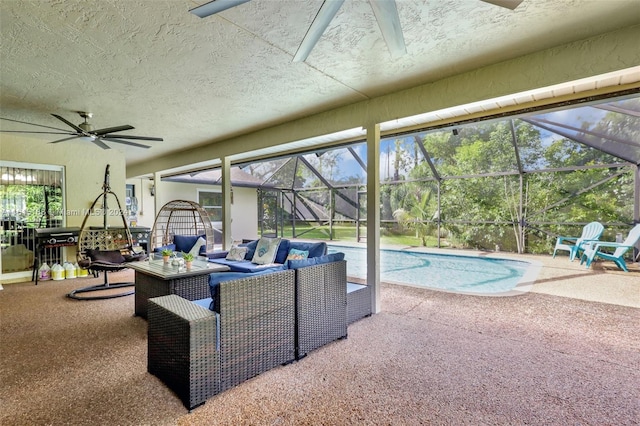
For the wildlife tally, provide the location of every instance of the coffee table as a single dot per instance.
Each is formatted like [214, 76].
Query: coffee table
[155, 278]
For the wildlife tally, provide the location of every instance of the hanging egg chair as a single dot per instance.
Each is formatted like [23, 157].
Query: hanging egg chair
[104, 247]
[179, 224]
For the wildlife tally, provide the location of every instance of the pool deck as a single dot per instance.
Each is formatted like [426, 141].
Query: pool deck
[564, 352]
[603, 282]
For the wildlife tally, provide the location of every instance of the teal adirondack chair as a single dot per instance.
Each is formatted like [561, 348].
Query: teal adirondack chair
[591, 232]
[593, 249]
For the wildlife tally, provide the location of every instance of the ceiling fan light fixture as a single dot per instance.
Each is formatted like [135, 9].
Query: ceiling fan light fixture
[214, 7]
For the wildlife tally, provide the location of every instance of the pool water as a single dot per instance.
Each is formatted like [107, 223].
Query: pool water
[467, 274]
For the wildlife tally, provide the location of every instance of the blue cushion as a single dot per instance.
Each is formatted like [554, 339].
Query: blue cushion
[218, 254]
[333, 257]
[205, 303]
[283, 251]
[171, 247]
[244, 265]
[301, 263]
[185, 242]
[315, 249]
[251, 249]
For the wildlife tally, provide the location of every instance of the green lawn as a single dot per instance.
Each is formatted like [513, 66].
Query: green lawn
[348, 233]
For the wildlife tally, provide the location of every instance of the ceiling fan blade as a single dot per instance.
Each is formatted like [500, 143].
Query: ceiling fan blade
[320, 23]
[509, 4]
[101, 132]
[386, 13]
[44, 133]
[32, 124]
[101, 144]
[66, 139]
[140, 138]
[125, 142]
[68, 123]
[214, 7]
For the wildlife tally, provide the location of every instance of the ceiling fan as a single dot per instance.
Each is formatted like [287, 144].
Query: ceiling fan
[385, 11]
[85, 131]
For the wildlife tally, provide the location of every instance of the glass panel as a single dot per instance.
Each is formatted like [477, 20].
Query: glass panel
[613, 127]
[211, 202]
[31, 196]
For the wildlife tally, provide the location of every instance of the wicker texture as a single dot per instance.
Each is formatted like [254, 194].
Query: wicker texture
[358, 302]
[182, 348]
[181, 217]
[257, 325]
[256, 333]
[321, 305]
[147, 286]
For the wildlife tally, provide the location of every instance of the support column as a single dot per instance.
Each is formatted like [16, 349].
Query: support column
[157, 198]
[373, 214]
[636, 210]
[226, 203]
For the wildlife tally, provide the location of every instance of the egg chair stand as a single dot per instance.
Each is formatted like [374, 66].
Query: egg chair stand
[105, 249]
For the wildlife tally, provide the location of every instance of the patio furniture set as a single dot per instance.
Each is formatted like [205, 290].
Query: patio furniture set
[209, 331]
[589, 247]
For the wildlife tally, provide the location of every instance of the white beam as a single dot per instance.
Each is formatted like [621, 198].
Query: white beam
[226, 203]
[373, 214]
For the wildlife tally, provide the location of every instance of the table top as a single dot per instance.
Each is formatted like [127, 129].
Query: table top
[166, 271]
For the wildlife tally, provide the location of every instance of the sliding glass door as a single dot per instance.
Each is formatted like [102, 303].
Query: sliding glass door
[31, 196]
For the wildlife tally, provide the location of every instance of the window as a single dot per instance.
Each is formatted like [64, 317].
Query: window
[212, 203]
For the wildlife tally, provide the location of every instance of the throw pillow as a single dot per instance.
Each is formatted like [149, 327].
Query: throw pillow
[266, 250]
[195, 250]
[236, 253]
[295, 254]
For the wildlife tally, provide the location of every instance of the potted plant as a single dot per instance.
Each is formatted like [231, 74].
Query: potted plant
[188, 259]
[166, 254]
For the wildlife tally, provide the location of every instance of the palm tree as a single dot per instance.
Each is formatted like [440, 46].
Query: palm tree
[417, 216]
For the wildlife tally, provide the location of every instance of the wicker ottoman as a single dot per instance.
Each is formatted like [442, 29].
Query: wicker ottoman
[358, 302]
[182, 348]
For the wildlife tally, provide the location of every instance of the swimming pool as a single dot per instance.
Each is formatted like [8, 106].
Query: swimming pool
[465, 274]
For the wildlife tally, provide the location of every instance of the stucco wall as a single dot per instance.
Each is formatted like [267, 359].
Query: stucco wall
[84, 166]
[244, 210]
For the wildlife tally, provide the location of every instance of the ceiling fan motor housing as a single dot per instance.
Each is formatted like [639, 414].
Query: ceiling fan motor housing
[86, 127]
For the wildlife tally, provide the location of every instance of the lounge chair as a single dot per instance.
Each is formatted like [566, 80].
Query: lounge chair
[594, 249]
[591, 232]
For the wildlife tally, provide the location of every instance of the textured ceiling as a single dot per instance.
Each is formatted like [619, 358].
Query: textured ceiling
[168, 73]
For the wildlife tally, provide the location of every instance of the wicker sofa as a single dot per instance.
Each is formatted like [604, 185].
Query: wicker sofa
[198, 353]
[258, 321]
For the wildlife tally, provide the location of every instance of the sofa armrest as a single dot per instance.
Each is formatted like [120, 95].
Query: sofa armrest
[321, 300]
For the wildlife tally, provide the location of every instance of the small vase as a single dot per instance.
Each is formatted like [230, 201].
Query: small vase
[165, 259]
[188, 264]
